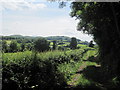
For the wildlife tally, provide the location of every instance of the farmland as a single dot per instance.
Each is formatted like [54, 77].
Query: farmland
[59, 68]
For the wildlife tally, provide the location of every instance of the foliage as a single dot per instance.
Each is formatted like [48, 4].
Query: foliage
[41, 45]
[27, 43]
[29, 46]
[13, 46]
[73, 43]
[54, 45]
[101, 21]
[4, 46]
[22, 46]
[91, 44]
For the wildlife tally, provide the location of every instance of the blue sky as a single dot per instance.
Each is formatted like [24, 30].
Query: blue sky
[38, 18]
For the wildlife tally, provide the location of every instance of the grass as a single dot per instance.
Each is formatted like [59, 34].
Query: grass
[81, 45]
[79, 80]
[8, 41]
[16, 57]
[70, 72]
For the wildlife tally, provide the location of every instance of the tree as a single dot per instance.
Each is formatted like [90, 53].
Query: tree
[4, 46]
[73, 43]
[54, 45]
[13, 46]
[29, 46]
[41, 45]
[91, 44]
[101, 21]
[22, 47]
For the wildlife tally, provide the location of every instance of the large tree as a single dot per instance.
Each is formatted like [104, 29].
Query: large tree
[4, 46]
[22, 46]
[13, 46]
[101, 21]
[54, 44]
[41, 45]
[73, 43]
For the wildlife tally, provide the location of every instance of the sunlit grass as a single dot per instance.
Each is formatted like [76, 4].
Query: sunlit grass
[8, 41]
[16, 57]
[79, 80]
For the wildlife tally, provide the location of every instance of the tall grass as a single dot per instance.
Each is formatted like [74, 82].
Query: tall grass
[16, 57]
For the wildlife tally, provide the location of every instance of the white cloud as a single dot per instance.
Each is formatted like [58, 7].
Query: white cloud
[20, 5]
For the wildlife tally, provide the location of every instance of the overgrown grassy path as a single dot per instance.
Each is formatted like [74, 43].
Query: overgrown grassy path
[76, 76]
[81, 79]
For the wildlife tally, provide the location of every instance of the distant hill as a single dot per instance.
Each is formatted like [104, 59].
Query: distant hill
[63, 38]
[29, 38]
[59, 38]
[33, 37]
[16, 35]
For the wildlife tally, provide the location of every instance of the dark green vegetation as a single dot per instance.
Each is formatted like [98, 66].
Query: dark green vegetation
[101, 21]
[73, 43]
[41, 45]
[91, 44]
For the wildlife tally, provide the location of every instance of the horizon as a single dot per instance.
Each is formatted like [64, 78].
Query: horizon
[39, 18]
[39, 36]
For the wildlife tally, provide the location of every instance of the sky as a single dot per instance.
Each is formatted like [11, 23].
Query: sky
[38, 18]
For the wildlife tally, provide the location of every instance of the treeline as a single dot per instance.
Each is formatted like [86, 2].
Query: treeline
[29, 39]
[18, 43]
[14, 46]
[40, 44]
[11, 37]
